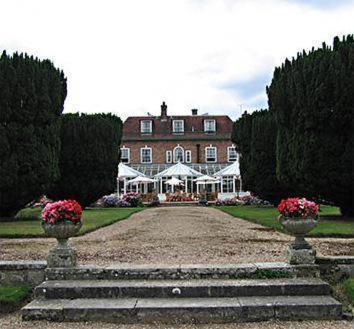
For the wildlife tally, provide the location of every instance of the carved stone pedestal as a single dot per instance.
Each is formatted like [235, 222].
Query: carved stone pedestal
[61, 256]
[300, 256]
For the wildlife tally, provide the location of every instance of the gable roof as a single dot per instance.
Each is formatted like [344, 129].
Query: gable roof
[125, 171]
[231, 170]
[162, 128]
[179, 169]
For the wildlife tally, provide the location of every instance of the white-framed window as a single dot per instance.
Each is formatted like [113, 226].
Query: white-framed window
[188, 156]
[209, 126]
[125, 154]
[231, 154]
[178, 126]
[146, 154]
[178, 154]
[168, 156]
[210, 154]
[146, 126]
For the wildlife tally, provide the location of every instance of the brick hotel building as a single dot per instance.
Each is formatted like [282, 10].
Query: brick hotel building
[150, 144]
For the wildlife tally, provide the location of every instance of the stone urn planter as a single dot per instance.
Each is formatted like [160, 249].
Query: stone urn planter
[62, 255]
[300, 251]
[61, 220]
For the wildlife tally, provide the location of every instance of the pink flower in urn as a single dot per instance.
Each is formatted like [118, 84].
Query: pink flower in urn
[62, 211]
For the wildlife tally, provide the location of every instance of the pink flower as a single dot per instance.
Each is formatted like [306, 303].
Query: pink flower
[62, 211]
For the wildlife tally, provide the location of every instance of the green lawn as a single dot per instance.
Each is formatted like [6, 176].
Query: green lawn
[12, 297]
[349, 289]
[330, 225]
[92, 219]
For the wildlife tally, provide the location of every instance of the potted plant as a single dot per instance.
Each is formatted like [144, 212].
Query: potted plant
[299, 216]
[62, 220]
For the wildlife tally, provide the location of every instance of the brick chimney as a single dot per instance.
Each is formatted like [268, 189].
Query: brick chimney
[194, 111]
[163, 110]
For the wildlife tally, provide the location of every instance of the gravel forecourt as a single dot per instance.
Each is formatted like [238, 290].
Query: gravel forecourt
[175, 235]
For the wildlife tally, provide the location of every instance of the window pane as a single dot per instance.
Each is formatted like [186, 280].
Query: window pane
[179, 154]
[210, 154]
[178, 126]
[188, 156]
[145, 155]
[124, 155]
[232, 154]
[146, 126]
[209, 125]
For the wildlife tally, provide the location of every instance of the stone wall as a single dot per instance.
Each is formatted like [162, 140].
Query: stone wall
[20, 272]
[336, 268]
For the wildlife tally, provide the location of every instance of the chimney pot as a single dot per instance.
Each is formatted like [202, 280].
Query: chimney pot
[163, 110]
[194, 111]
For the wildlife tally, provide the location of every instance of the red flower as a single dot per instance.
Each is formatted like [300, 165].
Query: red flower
[62, 211]
[296, 207]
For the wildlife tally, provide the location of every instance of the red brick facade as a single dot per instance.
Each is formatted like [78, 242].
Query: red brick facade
[192, 136]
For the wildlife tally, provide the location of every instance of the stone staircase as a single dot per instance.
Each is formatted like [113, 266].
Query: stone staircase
[199, 294]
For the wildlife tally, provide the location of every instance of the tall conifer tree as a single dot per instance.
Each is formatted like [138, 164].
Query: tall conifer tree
[89, 157]
[312, 98]
[32, 94]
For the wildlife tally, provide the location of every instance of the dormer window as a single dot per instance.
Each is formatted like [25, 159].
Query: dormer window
[146, 126]
[209, 126]
[178, 126]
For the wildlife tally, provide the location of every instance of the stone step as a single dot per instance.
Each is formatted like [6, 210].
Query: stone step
[180, 288]
[184, 310]
[202, 271]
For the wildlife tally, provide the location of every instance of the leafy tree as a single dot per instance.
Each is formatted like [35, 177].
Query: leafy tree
[32, 94]
[312, 98]
[89, 157]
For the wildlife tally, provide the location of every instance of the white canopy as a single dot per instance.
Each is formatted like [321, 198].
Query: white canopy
[125, 171]
[141, 179]
[179, 169]
[205, 178]
[231, 170]
[174, 181]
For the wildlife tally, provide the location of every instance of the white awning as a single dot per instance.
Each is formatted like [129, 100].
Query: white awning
[141, 179]
[231, 170]
[179, 169]
[125, 171]
[174, 181]
[205, 178]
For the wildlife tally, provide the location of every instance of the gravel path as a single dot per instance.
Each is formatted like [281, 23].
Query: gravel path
[175, 235]
[14, 321]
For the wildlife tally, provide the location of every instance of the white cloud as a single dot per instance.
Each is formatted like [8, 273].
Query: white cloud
[127, 56]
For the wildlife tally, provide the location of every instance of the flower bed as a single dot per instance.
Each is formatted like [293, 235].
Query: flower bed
[247, 200]
[113, 201]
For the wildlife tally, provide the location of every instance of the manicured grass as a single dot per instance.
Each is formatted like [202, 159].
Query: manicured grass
[13, 297]
[349, 289]
[13, 294]
[92, 220]
[330, 225]
[29, 214]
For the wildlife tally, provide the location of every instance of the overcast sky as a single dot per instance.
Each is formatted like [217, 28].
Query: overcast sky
[126, 57]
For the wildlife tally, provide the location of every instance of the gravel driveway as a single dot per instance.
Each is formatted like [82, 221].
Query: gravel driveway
[175, 235]
[14, 321]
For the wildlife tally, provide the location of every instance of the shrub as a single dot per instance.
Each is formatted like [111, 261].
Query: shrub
[133, 198]
[89, 157]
